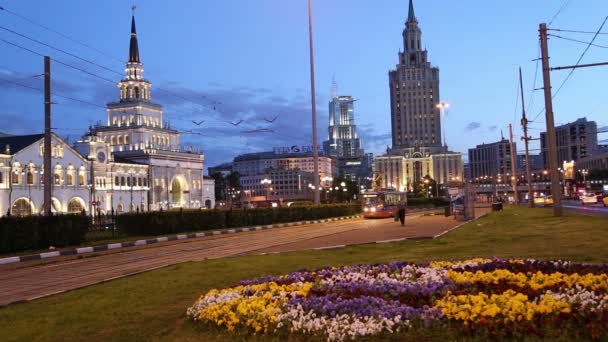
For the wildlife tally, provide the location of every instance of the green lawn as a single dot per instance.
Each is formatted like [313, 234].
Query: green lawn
[152, 306]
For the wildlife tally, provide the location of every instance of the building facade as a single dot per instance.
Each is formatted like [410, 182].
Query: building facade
[343, 140]
[257, 163]
[132, 163]
[414, 93]
[490, 160]
[343, 143]
[536, 162]
[277, 185]
[78, 183]
[574, 140]
[416, 119]
[136, 132]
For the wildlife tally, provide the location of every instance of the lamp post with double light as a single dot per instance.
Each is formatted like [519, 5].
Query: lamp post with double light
[266, 182]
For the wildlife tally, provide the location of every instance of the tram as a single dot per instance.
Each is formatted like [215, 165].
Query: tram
[382, 204]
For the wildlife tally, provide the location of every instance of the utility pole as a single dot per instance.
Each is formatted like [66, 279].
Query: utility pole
[48, 179]
[513, 165]
[526, 138]
[315, 152]
[551, 150]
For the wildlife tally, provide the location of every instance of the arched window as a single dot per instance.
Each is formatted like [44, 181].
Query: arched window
[1, 177]
[126, 139]
[57, 178]
[112, 140]
[136, 92]
[81, 179]
[75, 206]
[120, 209]
[115, 121]
[119, 140]
[122, 181]
[116, 181]
[22, 207]
[30, 178]
[69, 179]
[15, 177]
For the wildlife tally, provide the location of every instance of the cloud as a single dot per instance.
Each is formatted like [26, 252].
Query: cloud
[493, 128]
[473, 126]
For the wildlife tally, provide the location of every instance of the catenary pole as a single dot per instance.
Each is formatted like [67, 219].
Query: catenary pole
[513, 165]
[551, 150]
[48, 180]
[526, 139]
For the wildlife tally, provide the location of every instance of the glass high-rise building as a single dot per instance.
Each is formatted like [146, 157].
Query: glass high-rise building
[343, 141]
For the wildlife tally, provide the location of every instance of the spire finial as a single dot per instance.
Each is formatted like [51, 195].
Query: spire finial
[133, 46]
[410, 15]
[334, 88]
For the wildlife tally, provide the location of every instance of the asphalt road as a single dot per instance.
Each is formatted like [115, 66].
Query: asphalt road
[588, 209]
[28, 281]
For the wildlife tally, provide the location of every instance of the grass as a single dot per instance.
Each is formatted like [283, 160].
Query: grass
[151, 306]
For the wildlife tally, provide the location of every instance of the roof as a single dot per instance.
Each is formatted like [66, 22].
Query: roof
[273, 155]
[118, 159]
[410, 15]
[17, 143]
[133, 46]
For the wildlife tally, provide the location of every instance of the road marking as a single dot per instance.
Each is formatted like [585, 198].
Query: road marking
[329, 247]
[392, 240]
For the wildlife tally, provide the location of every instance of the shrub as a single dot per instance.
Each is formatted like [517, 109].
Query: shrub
[426, 202]
[38, 232]
[169, 222]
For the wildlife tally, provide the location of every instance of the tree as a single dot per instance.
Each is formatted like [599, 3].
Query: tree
[220, 186]
[421, 188]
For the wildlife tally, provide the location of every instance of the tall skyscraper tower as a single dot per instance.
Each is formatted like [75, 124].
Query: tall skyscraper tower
[343, 141]
[414, 86]
[417, 149]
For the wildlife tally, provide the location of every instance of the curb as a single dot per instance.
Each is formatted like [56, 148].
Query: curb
[144, 242]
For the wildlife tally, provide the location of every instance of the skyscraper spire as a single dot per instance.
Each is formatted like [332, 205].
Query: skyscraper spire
[411, 16]
[133, 47]
[334, 88]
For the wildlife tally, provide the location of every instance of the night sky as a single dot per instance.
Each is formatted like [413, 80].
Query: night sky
[234, 60]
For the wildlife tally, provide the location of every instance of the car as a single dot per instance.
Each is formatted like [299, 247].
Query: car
[588, 198]
[539, 200]
[605, 200]
[549, 200]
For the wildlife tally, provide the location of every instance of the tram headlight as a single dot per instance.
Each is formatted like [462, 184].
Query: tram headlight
[373, 209]
[366, 209]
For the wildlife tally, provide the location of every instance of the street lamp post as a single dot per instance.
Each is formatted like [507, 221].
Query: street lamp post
[315, 152]
[442, 107]
[266, 182]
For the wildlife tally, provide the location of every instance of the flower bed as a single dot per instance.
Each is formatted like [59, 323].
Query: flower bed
[478, 297]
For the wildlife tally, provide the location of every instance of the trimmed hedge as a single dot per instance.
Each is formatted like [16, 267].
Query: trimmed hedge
[421, 202]
[39, 232]
[171, 222]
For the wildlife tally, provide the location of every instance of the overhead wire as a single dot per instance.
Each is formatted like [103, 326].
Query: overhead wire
[60, 34]
[577, 64]
[578, 41]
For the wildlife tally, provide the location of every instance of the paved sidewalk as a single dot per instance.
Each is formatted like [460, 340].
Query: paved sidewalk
[30, 281]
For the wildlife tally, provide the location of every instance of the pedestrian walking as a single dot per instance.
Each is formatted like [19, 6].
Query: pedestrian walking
[401, 213]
